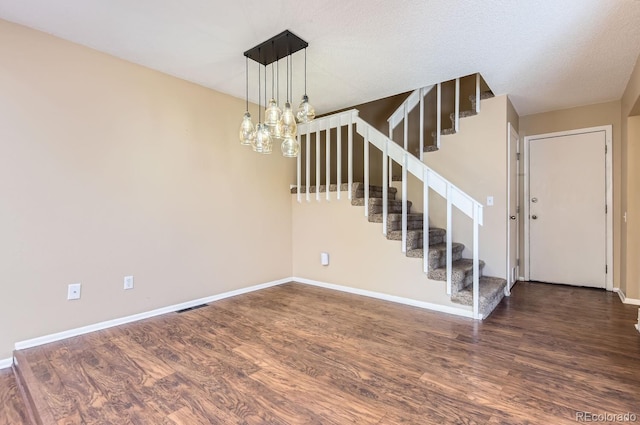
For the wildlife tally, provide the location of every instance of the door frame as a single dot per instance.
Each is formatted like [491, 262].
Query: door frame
[608, 129]
[512, 131]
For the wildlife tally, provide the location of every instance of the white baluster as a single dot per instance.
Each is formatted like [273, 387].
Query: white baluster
[438, 115]
[308, 163]
[328, 159]
[425, 221]
[366, 173]
[404, 201]
[449, 240]
[422, 124]
[385, 186]
[406, 127]
[339, 153]
[299, 171]
[476, 264]
[350, 156]
[477, 93]
[457, 117]
[318, 162]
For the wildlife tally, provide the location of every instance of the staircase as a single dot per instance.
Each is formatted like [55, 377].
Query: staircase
[442, 259]
[487, 94]
[492, 289]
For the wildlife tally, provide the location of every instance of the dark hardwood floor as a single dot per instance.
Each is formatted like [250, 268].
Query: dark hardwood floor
[297, 354]
[12, 408]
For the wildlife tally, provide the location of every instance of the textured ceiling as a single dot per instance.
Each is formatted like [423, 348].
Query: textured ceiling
[546, 54]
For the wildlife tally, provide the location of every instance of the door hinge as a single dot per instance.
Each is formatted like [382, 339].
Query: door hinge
[518, 209]
[606, 209]
[517, 156]
[606, 149]
[518, 262]
[606, 269]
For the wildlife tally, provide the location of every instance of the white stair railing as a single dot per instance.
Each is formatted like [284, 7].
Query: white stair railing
[391, 151]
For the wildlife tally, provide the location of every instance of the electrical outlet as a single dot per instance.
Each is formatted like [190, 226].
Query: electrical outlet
[73, 292]
[128, 282]
[489, 201]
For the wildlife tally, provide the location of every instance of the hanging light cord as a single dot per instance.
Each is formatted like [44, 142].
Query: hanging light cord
[259, 94]
[247, 76]
[288, 78]
[305, 71]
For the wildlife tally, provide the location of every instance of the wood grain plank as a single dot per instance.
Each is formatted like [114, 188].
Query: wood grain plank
[295, 354]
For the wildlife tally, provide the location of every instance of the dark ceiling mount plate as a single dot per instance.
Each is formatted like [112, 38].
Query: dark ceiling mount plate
[282, 45]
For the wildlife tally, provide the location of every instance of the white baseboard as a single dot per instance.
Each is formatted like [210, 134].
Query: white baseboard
[624, 299]
[140, 316]
[637, 325]
[378, 295]
[5, 363]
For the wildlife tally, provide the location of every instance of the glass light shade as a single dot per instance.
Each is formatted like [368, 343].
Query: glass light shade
[306, 112]
[290, 147]
[289, 126]
[262, 142]
[272, 115]
[267, 144]
[259, 139]
[277, 131]
[247, 130]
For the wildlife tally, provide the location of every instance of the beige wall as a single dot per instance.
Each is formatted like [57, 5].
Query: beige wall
[360, 256]
[630, 246]
[575, 118]
[109, 169]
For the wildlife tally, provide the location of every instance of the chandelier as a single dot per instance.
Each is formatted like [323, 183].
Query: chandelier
[280, 124]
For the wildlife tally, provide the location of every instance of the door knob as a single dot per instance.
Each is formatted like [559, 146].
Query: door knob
[535, 217]
[534, 200]
[513, 217]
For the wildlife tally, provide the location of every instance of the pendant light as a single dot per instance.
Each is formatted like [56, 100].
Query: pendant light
[247, 130]
[306, 113]
[273, 114]
[262, 140]
[279, 124]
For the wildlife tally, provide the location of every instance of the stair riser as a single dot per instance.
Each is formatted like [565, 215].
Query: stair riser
[459, 280]
[411, 225]
[373, 194]
[415, 237]
[393, 208]
[436, 261]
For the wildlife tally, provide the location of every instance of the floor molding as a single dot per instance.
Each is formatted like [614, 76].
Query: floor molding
[624, 299]
[6, 363]
[386, 297]
[140, 316]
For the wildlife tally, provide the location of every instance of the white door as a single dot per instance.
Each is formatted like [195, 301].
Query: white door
[512, 205]
[567, 201]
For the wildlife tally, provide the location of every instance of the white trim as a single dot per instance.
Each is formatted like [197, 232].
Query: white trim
[624, 299]
[140, 316]
[608, 129]
[386, 297]
[511, 131]
[6, 363]
[637, 326]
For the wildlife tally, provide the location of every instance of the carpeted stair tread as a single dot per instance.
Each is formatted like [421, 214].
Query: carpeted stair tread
[441, 248]
[437, 251]
[463, 114]
[359, 202]
[461, 273]
[491, 293]
[436, 236]
[377, 218]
